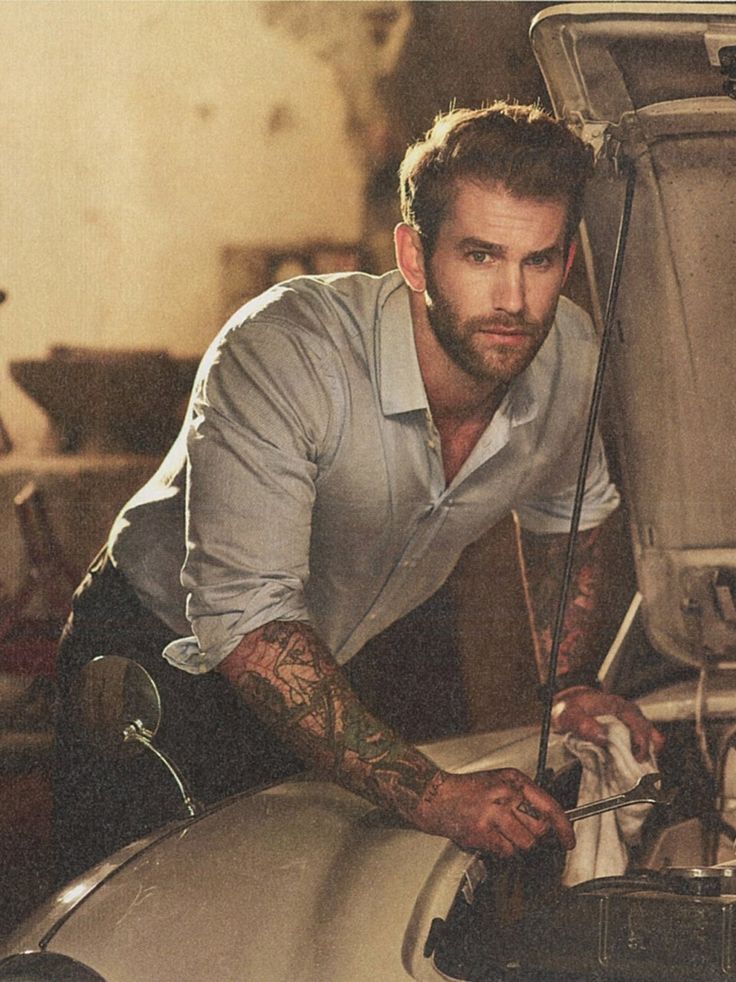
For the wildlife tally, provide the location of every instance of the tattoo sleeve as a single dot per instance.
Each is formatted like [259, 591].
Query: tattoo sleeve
[285, 673]
[542, 562]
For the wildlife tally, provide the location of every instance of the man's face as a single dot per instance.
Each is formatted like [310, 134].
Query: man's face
[494, 278]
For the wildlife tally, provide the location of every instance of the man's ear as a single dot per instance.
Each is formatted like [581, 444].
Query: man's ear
[569, 260]
[410, 256]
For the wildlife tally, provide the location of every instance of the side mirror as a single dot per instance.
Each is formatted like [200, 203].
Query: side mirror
[119, 711]
[119, 705]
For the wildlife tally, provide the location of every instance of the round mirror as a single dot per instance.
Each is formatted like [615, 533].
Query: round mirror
[118, 703]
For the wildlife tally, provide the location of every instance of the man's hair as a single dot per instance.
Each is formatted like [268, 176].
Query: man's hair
[522, 148]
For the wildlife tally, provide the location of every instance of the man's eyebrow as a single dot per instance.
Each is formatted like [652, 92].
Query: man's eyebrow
[482, 246]
[494, 249]
[548, 253]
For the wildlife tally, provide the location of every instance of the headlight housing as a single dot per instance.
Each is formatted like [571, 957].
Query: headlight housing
[43, 966]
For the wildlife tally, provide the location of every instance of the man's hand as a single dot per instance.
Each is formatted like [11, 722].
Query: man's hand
[575, 711]
[486, 811]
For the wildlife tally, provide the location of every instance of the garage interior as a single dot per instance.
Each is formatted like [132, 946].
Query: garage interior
[162, 163]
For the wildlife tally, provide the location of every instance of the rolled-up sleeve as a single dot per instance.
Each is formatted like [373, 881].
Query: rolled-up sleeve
[260, 418]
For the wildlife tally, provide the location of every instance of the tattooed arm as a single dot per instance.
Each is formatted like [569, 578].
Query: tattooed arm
[288, 677]
[543, 560]
[578, 701]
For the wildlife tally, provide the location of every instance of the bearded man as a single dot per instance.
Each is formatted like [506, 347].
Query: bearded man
[347, 437]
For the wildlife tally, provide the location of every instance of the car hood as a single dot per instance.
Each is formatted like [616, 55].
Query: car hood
[643, 83]
[302, 881]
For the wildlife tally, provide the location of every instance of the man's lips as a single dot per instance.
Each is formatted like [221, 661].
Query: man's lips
[501, 334]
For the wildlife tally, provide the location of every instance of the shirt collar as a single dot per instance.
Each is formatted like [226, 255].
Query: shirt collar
[401, 384]
[400, 379]
[520, 403]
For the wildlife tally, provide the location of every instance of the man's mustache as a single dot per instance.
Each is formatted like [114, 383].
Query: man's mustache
[508, 323]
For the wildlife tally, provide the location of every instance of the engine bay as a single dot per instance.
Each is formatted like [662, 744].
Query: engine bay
[671, 914]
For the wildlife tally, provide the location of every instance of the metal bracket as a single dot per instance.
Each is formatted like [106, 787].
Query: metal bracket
[613, 151]
[724, 587]
[592, 133]
[727, 59]
[474, 875]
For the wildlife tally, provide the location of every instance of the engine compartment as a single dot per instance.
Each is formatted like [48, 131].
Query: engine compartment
[671, 915]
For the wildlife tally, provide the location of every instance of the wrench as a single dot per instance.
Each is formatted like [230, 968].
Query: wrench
[647, 789]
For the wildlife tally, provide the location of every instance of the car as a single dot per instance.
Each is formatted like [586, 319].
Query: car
[306, 882]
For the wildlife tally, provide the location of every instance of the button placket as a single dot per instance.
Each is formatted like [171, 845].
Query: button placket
[433, 437]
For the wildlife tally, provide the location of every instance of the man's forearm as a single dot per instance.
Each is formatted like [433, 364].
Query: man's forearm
[543, 559]
[285, 673]
[579, 707]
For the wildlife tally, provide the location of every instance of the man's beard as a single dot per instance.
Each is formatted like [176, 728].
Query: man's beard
[502, 364]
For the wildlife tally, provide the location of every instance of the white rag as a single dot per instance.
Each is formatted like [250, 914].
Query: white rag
[602, 840]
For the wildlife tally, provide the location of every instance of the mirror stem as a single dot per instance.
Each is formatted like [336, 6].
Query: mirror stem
[136, 732]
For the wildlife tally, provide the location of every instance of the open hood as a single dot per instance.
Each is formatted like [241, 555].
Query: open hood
[646, 84]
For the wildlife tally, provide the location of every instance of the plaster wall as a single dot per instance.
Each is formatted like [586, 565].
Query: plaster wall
[137, 140]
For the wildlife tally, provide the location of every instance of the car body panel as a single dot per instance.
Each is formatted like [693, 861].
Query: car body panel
[303, 881]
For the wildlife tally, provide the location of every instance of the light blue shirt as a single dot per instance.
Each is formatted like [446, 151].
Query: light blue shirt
[313, 473]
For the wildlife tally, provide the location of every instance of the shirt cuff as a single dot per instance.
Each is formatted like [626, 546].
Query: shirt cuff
[185, 653]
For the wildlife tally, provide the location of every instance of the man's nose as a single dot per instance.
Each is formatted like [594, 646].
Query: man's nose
[508, 289]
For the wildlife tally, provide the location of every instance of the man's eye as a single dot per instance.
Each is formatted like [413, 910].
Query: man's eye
[478, 256]
[539, 262]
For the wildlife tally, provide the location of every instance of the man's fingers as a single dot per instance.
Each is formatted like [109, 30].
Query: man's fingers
[520, 829]
[658, 740]
[585, 726]
[502, 832]
[502, 812]
[577, 714]
[552, 814]
[640, 729]
[496, 843]
[645, 739]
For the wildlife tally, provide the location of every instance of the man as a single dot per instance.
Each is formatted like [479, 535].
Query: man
[347, 437]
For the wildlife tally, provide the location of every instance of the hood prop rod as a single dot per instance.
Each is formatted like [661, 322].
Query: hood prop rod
[549, 688]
